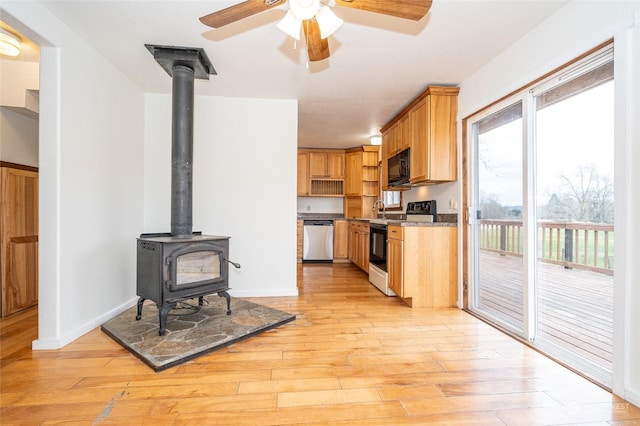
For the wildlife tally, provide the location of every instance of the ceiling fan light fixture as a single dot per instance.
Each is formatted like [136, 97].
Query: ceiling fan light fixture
[9, 44]
[304, 9]
[290, 25]
[327, 21]
[376, 140]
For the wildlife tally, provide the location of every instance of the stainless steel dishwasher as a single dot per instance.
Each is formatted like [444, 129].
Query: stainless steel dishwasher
[317, 241]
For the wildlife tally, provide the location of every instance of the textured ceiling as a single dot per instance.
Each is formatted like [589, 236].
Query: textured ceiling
[377, 64]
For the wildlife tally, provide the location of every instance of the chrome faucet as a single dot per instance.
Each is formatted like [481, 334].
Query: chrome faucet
[384, 208]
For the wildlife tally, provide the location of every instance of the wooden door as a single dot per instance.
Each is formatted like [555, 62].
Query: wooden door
[19, 239]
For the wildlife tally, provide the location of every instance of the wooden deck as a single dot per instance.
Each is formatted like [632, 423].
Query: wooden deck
[575, 307]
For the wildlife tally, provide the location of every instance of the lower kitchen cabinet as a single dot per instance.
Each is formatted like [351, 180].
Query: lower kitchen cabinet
[340, 240]
[395, 259]
[422, 265]
[359, 243]
[300, 235]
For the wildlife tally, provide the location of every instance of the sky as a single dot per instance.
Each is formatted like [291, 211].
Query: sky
[574, 132]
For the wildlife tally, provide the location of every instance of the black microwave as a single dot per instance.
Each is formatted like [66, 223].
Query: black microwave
[398, 168]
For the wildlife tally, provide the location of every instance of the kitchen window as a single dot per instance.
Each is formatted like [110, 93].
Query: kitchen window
[392, 200]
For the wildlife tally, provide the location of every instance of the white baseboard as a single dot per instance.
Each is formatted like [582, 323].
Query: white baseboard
[47, 344]
[633, 396]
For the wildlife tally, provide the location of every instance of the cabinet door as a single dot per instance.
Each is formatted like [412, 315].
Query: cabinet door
[394, 135]
[340, 239]
[303, 173]
[318, 164]
[19, 239]
[335, 165]
[394, 266]
[442, 111]
[353, 207]
[388, 148]
[419, 144]
[404, 134]
[384, 174]
[353, 164]
[300, 236]
[364, 251]
[353, 242]
[433, 146]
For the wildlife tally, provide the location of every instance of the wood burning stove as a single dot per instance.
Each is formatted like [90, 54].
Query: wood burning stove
[171, 269]
[181, 265]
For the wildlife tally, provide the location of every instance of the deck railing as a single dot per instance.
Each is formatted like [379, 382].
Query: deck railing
[578, 245]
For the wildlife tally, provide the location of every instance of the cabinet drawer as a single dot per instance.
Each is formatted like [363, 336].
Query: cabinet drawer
[360, 226]
[395, 232]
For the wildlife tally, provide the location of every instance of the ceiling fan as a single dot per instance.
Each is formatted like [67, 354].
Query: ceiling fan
[315, 17]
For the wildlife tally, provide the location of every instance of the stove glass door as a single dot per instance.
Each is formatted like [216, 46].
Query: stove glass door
[196, 267]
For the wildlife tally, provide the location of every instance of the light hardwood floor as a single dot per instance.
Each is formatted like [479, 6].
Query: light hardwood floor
[353, 356]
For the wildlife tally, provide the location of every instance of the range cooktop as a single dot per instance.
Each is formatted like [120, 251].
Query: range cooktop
[422, 211]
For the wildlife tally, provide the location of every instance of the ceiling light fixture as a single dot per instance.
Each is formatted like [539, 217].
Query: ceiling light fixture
[9, 44]
[302, 10]
[376, 140]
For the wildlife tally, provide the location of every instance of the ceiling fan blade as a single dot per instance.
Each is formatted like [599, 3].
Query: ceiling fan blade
[407, 9]
[237, 12]
[317, 47]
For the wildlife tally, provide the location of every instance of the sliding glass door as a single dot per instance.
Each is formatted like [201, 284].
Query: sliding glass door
[541, 215]
[498, 213]
[574, 208]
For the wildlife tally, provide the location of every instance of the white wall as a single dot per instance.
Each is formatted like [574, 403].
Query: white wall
[245, 153]
[573, 30]
[16, 78]
[18, 132]
[333, 205]
[91, 179]
[445, 194]
[18, 138]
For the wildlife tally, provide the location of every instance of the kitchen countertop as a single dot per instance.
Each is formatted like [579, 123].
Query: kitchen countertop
[388, 221]
[321, 216]
[399, 222]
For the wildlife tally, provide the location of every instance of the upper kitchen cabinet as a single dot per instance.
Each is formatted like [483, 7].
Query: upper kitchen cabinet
[390, 139]
[303, 173]
[362, 184]
[326, 164]
[427, 125]
[433, 136]
[321, 172]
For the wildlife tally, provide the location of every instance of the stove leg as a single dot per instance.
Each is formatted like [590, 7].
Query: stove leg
[226, 296]
[163, 316]
[200, 300]
[140, 302]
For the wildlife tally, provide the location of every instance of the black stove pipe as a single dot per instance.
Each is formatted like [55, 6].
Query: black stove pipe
[183, 64]
[182, 151]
